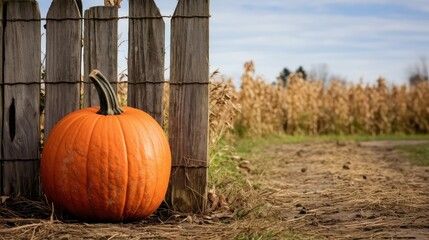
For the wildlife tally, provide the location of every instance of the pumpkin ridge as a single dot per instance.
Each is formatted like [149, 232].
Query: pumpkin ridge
[69, 123]
[85, 120]
[74, 124]
[144, 163]
[124, 141]
[76, 138]
[108, 149]
[153, 206]
[120, 134]
[149, 130]
[140, 179]
[149, 205]
[49, 186]
[98, 162]
[139, 153]
[113, 146]
[162, 165]
[93, 214]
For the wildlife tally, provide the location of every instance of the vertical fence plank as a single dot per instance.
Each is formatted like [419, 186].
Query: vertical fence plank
[146, 58]
[63, 62]
[79, 6]
[1, 95]
[100, 48]
[189, 109]
[21, 133]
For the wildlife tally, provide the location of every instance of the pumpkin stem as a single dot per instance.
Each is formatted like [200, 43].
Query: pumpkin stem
[109, 104]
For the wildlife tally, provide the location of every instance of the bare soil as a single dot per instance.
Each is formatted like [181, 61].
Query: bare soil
[346, 190]
[293, 191]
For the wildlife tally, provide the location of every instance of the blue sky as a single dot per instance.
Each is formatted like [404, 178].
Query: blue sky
[356, 39]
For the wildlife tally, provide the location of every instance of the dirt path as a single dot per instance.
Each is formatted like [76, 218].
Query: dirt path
[292, 191]
[345, 190]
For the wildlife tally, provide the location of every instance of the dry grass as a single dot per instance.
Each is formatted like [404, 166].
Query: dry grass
[223, 109]
[25, 219]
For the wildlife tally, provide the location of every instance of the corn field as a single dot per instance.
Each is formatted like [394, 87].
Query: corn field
[310, 108]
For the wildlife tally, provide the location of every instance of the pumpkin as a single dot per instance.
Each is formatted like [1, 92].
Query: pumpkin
[106, 163]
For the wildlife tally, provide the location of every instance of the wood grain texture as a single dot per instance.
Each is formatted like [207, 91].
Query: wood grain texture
[146, 58]
[63, 62]
[21, 133]
[100, 49]
[189, 109]
[1, 97]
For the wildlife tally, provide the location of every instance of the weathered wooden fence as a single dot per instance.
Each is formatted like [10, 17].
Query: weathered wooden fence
[66, 33]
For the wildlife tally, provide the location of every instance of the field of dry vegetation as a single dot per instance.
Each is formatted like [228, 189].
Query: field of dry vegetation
[304, 107]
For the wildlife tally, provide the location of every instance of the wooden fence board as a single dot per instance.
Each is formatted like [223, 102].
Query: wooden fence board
[100, 48]
[1, 96]
[189, 109]
[79, 6]
[21, 131]
[63, 62]
[146, 58]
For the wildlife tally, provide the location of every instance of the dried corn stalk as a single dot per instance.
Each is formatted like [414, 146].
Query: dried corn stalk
[116, 3]
[307, 107]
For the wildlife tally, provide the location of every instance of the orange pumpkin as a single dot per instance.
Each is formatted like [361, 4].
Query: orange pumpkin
[107, 163]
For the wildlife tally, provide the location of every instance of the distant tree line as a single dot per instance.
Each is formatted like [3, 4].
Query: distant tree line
[418, 72]
[284, 74]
